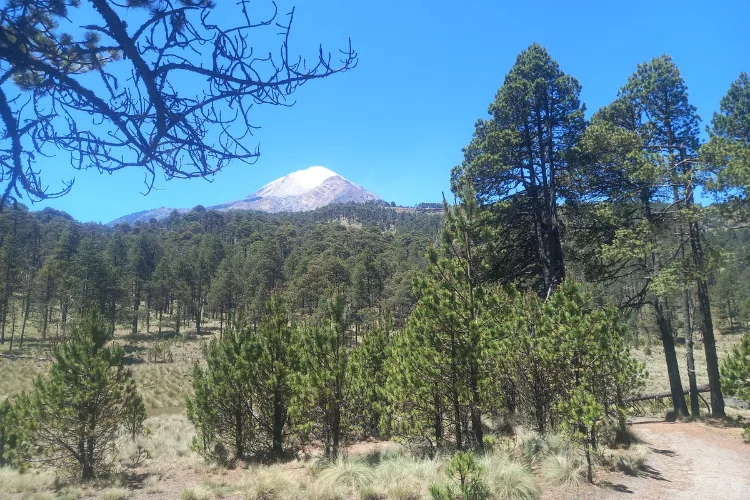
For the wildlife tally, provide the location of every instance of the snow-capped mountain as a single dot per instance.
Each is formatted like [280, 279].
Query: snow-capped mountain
[303, 190]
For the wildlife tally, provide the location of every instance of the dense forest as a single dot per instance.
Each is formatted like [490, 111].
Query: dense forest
[569, 239]
[206, 265]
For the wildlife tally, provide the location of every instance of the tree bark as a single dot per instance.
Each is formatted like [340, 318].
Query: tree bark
[279, 419]
[27, 305]
[673, 369]
[136, 305]
[709, 341]
[695, 407]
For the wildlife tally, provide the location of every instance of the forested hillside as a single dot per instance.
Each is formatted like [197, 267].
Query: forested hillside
[206, 265]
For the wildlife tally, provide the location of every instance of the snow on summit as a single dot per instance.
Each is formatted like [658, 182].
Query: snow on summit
[303, 190]
[296, 183]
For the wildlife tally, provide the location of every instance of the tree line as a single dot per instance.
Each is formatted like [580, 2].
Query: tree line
[203, 265]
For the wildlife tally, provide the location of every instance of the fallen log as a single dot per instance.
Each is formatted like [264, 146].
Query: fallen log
[661, 395]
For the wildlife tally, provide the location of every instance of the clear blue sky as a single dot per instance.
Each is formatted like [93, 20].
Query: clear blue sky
[397, 123]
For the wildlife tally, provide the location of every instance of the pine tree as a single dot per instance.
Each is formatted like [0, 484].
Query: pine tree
[727, 154]
[368, 381]
[638, 159]
[76, 413]
[735, 370]
[271, 372]
[241, 398]
[321, 402]
[221, 407]
[449, 330]
[670, 131]
[519, 159]
[14, 449]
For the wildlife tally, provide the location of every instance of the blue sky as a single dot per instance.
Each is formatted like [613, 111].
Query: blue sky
[396, 124]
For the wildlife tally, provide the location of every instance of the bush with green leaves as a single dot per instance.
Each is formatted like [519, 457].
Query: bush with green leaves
[735, 370]
[322, 388]
[466, 482]
[13, 445]
[75, 415]
[241, 398]
[441, 372]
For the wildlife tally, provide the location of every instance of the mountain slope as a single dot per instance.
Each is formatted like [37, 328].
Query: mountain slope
[300, 191]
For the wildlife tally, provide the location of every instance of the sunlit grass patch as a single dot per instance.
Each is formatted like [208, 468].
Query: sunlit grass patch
[563, 469]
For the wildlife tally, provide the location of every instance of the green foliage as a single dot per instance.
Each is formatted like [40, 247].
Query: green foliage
[465, 472]
[76, 413]
[437, 373]
[568, 362]
[222, 398]
[241, 398]
[727, 154]
[322, 389]
[13, 446]
[370, 412]
[735, 370]
[518, 161]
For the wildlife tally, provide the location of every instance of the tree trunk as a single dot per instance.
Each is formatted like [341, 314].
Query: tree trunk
[136, 305]
[27, 305]
[336, 428]
[12, 330]
[457, 417]
[437, 422]
[44, 322]
[673, 369]
[476, 415]
[695, 407]
[221, 323]
[709, 345]
[64, 317]
[3, 318]
[279, 418]
[239, 447]
[148, 312]
[709, 342]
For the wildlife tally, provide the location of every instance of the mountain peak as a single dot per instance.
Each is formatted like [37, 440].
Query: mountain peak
[306, 189]
[296, 183]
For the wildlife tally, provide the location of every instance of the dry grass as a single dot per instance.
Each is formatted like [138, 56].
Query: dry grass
[115, 494]
[658, 379]
[29, 485]
[18, 375]
[508, 479]
[563, 469]
[629, 461]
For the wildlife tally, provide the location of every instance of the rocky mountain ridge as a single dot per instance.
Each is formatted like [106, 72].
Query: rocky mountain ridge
[300, 191]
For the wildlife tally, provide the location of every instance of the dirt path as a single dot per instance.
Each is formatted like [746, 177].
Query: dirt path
[688, 461]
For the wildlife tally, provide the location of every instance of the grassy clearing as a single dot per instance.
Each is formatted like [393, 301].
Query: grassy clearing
[29, 485]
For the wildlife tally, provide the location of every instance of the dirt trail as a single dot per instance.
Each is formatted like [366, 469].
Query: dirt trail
[692, 461]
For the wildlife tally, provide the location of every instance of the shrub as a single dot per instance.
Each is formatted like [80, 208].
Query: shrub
[629, 461]
[562, 469]
[348, 473]
[269, 483]
[87, 398]
[197, 493]
[115, 494]
[510, 480]
[466, 474]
